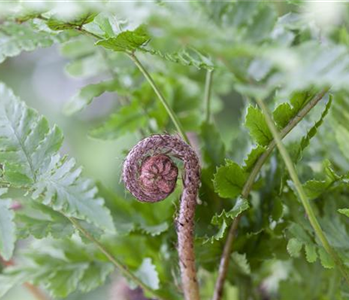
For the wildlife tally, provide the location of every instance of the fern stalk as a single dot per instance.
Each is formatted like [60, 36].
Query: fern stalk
[162, 99]
[152, 83]
[225, 258]
[301, 193]
[207, 99]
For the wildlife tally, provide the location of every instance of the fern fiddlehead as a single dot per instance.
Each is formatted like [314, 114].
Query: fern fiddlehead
[150, 175]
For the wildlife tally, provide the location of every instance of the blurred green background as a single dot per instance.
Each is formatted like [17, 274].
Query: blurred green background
[40, 78]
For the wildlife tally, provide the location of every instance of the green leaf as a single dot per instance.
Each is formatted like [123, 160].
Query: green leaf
[229, 180]
[104, 21]
[127, 40]
[128, 119]
[257, 125]
[136, 217]
[252, 158]
[312, 131]
[28, 152]
[294, 247]
[148, 274]
[61, 187]
[314, 188]
[283, 114]
[95, 275]
[43, 223]
[86, 95]
[262, 24]
[225, 218]
[299, 100]
[344, 211]
[154, 230]
[240, 206]
[87, 66]
[65, 280]
[7, 227]
[278, 209]
[71, 21]
[15, 38]
[326, 259]
[242, 262]
[62, 267]
[340, 119]
[220, 234]
[186, 57]
[310, 253]
[27, 141]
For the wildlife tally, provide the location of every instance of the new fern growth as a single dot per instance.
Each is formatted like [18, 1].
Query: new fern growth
[150, 175]
[250, 230]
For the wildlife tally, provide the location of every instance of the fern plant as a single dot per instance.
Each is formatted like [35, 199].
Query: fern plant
[258, 90]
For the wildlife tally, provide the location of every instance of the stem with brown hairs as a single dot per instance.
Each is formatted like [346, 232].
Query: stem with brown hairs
[150, 175]
[224, 263]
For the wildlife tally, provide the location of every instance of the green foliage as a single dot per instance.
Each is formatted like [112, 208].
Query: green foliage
[27, 140]
[186, 57]
[344, 211]
[272, 52]
[48, 223]
[224, 219]
[129, 118]
[252, 157]
[339, 118]
[229, 180]
[312, 132]
[15, 38]
[257, 125]
[62, 267]
[148, 274]
[86, 95]
[29, 155]
[76, 20]
[286, 111]
[214, 148]
[127, 40]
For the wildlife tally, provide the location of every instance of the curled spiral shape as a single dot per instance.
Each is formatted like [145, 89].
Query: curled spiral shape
[150, 175]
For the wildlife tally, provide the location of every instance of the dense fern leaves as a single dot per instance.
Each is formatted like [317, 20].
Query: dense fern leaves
[29, 149]
[45, 223]
[27, 141]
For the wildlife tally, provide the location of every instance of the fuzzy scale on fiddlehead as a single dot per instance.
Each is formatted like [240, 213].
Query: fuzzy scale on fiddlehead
[150, 175]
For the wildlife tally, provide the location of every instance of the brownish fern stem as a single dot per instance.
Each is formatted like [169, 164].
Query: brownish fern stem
[151, 176]
[225, 258]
